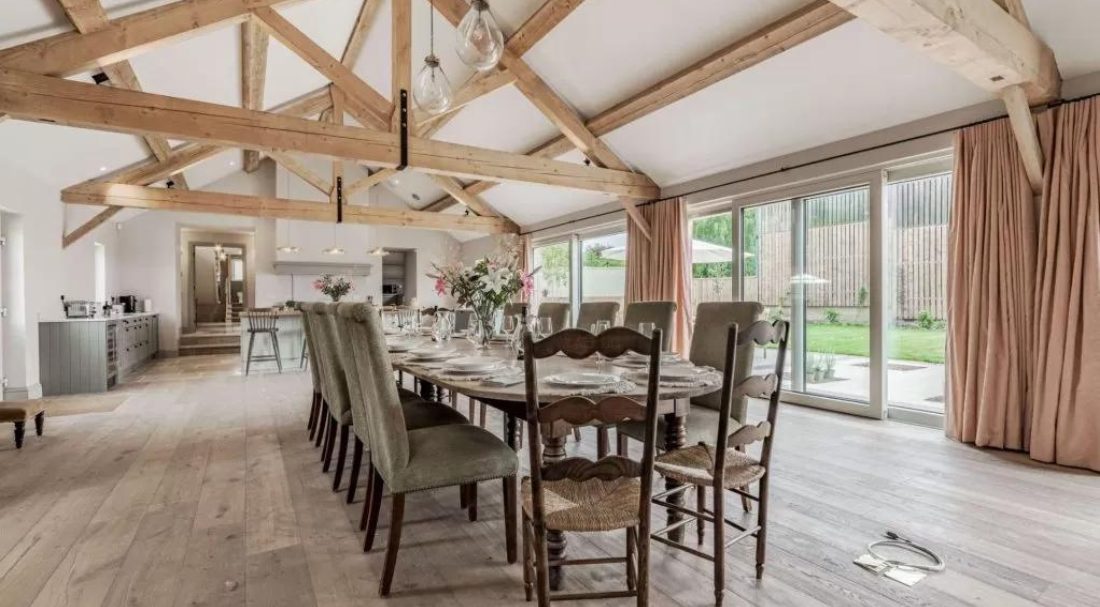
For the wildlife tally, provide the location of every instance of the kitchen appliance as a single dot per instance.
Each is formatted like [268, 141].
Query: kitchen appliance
[129, 303]
[79, 309]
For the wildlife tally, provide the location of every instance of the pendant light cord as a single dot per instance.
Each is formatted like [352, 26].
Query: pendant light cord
[431, 32]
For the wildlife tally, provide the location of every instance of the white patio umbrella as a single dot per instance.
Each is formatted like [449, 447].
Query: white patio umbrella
[701, 252]
[808, 279]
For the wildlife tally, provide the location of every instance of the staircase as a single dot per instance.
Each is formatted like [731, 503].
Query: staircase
[212, 338]
[235, 312]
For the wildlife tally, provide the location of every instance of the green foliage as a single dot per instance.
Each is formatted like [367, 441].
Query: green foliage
[593, 257]
[832, 316]
[926, 320]
[862, 295]
[905, 343]
[554, 261]
[717, 229]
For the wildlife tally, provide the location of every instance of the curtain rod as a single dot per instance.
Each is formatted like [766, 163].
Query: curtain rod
[1050, 105]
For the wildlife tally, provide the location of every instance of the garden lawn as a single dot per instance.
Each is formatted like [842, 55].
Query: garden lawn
[906, 343]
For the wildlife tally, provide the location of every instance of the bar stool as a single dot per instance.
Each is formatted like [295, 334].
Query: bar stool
[263, 320]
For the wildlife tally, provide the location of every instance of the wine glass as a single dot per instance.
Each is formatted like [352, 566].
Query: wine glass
[546, 327]
[647, 328]
[601, 326]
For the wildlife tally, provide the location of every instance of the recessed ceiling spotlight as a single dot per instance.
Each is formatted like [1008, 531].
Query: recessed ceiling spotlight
[232, 163]
[102, 169]
[394, 181]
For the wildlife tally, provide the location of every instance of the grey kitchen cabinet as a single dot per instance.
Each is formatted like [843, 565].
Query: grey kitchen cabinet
[79, 355]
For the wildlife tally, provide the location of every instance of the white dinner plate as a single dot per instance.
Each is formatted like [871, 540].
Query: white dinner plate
[679, 373]
[431, 354]
[474, 364]
[583, 380]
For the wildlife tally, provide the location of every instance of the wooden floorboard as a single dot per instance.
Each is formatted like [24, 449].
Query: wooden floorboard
[201, 488]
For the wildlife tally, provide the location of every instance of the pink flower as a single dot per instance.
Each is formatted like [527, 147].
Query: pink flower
[318, 284]
[440, 286]
[528, 284]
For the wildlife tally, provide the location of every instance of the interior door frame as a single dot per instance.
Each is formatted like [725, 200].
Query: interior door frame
[874, 181]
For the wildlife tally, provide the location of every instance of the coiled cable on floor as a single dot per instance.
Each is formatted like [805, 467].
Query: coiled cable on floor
[896, 541]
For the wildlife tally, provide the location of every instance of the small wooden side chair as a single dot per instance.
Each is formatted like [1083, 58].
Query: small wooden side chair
[724, 466]
[576, 494]
[263, 321]
[18, 412]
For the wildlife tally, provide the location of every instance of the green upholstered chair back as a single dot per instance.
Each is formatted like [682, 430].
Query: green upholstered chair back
[518, 307]
[311, 348]
[389, 442]
[708, 346]
[592, 311]
[660, 313]
[558, 313]
[332, 372]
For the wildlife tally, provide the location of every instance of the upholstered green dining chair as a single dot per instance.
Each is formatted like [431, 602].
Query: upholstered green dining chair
[558, 313]
[309, 350]
[661, 313]
[407, 460]
[418, 412]
[592, 312]
[708, 348]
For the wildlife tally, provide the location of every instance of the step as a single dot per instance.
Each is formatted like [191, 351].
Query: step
[198, 350]
[210, 339]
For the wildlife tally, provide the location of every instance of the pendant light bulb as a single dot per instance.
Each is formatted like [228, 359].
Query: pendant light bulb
[480, 43]
[432, 90]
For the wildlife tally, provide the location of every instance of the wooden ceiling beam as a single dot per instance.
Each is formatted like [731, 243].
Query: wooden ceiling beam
[363, 102]
[1024, 128]
[33, 97]
[137, 197]
[88, 16]
[366, 183]
[124, 38]
[88, 226]
[358, 36]
[977, 39]
[471, 201]
[254, 44]
[539, 24]
[478, 85]
[787, 32]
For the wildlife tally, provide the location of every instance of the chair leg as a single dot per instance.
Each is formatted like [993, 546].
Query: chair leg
[472, 411]
[375, 506]
[454, 399]
[603, 442]
[509, 487]
[39, 423]
[394, 543]
[330, 444]
[248, 358]
[542, 565]
[471, 499]
[631, 546]
[528, 559]
[746, 503]
[302, 357]
[369, 483]
[576, 434]
[762, 534]
[321, 423]
[20, 430]
[314, 405]
[278, 354]
[643, 565]
[623, 446]
[341, 457]
[700, 506]
[463, 496]
[356, 462]
[719, 504]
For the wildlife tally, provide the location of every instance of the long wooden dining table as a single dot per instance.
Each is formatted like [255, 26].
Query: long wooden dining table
[511, 401]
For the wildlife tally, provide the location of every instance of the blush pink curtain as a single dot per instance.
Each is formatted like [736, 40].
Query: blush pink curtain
[1065, 409]
[991, 253]
[659, 268]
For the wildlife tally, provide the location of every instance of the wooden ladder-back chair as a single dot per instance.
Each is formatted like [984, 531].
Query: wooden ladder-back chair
[576, 494]
[725, 466]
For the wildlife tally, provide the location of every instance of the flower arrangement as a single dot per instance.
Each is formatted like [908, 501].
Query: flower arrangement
[485, 286]
[334, 286]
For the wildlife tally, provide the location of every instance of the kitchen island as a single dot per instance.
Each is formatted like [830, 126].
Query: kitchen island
[78, 355]
[291, 340]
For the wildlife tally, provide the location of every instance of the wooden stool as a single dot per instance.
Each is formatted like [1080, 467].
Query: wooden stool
[18, 411]
[263, 320]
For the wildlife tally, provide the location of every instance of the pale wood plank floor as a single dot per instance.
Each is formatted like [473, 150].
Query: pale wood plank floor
[201, 489]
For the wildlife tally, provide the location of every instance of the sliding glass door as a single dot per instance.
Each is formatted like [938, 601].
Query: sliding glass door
[809, 260]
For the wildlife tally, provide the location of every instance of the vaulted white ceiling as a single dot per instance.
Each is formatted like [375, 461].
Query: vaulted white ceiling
[849, 81]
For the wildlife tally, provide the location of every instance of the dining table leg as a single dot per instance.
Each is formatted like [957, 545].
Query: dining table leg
[553, 443]
[427, 390]
[511, 431]
[675, 437]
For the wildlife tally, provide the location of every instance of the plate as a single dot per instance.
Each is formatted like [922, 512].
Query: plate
[399, 346]
[679, 373]
[473, 364]
[583, 380]
[431, 354]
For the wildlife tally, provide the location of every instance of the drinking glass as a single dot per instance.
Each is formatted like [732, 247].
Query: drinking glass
[441, 330]
[546, 326]
[602, 325]
[647, 328]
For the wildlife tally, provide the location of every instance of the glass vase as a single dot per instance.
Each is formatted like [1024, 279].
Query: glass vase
[484, 326]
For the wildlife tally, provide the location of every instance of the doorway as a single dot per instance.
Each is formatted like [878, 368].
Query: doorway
[218, 286]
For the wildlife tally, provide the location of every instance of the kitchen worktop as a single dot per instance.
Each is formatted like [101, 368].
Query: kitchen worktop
[104, 318]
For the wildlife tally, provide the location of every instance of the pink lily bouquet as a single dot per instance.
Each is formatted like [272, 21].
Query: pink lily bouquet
[484, 287]
[333, 286]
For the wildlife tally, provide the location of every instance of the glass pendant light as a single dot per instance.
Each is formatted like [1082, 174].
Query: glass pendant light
[432, 90]
[480, 42]
[288, 247]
